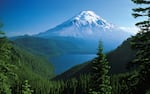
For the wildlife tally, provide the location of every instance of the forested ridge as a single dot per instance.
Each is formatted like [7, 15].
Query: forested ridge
[24, 72]
[18, 65]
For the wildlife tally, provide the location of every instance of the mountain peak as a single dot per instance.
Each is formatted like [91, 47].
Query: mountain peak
[84, 24]
[88, 16]
[91, 18]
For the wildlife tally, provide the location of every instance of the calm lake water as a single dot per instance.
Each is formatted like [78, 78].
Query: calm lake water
[65, 62]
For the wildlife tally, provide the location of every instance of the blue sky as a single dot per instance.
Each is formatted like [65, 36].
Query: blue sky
[34, 16]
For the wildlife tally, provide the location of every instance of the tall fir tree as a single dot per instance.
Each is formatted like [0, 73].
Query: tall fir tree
[100, 79]
[7, 75]
[141, 42]
[26, 88]
[142, 12]
[4, 82]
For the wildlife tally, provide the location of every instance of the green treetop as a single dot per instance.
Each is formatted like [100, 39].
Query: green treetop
[142, 12]
[26, 88]
[100, 80]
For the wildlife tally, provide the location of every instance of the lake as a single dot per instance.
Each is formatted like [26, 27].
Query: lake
[64, 62]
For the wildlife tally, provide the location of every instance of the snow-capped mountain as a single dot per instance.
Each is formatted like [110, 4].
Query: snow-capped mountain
[84, 24]
[89, 18]
[89, 27]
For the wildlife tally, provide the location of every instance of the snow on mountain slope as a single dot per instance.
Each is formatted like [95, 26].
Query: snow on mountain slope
[90, 18]
[89, 27]
[84, 24]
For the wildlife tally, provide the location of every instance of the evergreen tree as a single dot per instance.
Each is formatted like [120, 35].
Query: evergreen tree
[4, 69]
[142, 12]
[26, 88]
[100, 80]
[7, 75]
[141, 42]
[4, 82]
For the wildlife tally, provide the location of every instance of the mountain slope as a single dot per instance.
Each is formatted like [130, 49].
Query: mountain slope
[89, 28]
[37, 45]
[79, 35]
[121, 56]
[118, 60]
[34, 68]
[18, 65]
[59, 51]
[82, 25]
[47, 47]
[36, 64]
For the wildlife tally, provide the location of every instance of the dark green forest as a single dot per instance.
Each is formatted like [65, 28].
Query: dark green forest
[23, 71]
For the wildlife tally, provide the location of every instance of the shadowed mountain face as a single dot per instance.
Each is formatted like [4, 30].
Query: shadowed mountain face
[118, 59]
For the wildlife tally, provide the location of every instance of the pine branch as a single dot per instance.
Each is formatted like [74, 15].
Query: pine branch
[143, 23]
[141, 9]
[135, 15]
[144, 26]
[141, 1]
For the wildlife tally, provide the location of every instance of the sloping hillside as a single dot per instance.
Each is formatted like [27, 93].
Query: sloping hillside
[118, 59]
[32, 63]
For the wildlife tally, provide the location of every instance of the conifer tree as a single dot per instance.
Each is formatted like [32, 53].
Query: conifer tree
[7, 75]
[4, 82]
[4, 69]
[142, 12]
[26, 88]
[141, 42]
[100, 79]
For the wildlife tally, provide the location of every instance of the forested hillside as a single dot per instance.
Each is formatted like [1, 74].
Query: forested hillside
[134, 54]
[125, 70]
[119, 60]
[18, 65]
